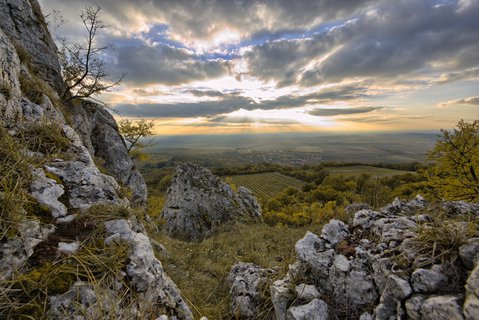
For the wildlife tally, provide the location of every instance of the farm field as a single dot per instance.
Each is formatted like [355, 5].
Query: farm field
[353, 171]
[267, 184]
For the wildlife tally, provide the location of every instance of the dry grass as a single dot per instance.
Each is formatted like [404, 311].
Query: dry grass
[200, 270]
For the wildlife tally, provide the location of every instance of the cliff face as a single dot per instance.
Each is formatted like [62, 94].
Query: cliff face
[71, 240]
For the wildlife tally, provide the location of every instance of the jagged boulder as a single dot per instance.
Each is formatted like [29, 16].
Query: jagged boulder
[197, 202]
[98, 131]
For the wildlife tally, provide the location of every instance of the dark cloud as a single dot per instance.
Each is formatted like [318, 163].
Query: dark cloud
[329, 112]
[163, 64]
[395, 39]
[200, 19]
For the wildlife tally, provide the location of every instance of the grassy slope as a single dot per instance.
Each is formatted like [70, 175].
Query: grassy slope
[200, 270]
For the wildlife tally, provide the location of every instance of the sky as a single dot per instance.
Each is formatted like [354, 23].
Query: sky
[244, 66]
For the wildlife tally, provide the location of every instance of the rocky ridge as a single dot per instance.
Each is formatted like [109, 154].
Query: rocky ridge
[383, 265]
[197, 202]
[70, 214]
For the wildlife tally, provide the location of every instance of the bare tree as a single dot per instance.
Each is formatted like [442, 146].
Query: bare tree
[83, 69]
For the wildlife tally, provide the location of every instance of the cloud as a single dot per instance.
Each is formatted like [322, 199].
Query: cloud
[393, 40]
[469, 74]
[162, 64]
[329, 112]
[386, 119]
[474, 101]
[233, 101]
[202, 20]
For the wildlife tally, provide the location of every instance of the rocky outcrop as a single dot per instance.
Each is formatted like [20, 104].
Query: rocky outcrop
[380, 267]
[197, 202]
[66, 216]
[23, 22]
[99, 132]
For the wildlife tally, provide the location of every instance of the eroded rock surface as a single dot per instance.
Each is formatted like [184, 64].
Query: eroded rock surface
[197, 202]
[387, 277]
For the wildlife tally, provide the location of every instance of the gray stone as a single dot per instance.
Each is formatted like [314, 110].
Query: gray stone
[47, 191]
[15, 252]
[306, 292]
[453, 208]
[10, 93]
[399, 206]
[246, 280]
[395, 291]
[23, 22]
[310, 251]
[314, 310]
[281, 297]
[68, 248]
[469, 252]
[413, 306]
[471, 307]
[394, 229]
[146, 272]
[365, 218]
[335, 231]
[99, 133]
[341, 263]
[442, 308]
[197, 202]
[428, 281]
[366, 316]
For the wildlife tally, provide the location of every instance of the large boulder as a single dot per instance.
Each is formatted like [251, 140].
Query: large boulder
[98, 131]
[197, 202]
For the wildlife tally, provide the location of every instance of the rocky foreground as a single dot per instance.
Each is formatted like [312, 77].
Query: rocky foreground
[405, 261]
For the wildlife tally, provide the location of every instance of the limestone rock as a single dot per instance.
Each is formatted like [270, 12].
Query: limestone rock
[197, 202]
[14, 253]
[146, 272]
[442, 308]
[428, 281]
[311, 250]
[314, 310]
[306, 292]
[246, 281]
[460, 208]
[281, 297]
[47, 191]
[10, 93]
[365, 218]
[469, 252]
[413, 306]
[99, 133]
[23, 22]
[335, 231]
[68, 248]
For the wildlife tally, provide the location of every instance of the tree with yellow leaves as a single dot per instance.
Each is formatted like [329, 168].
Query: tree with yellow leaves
[456, 162]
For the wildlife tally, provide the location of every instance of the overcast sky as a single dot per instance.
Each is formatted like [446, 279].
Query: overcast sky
[219, 66]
